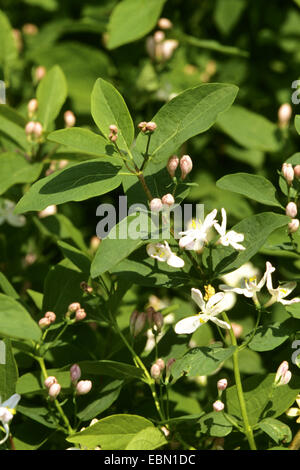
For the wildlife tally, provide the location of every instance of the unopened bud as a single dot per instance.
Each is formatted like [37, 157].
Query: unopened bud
[150, 312]
[218, 405]
[139, 323]
[156, 205]
[69, 118]
[85, 287]
[151, 126]
[50, 381]
[51, 316]
[40, 72]
[83, 387]
[291, 209]
[38, 129]
[222, 384]
[74, 306]
[186, 166]
[172, 165]
[168, 47]
[159, 36]
[237, 329]
[161, 363]
[113, 137]
[113, 129]
[75, 373]
[155, 371]
[164, 23]
[142, 125]
[80, 314]
[32, 107]
[30, 29]
[168, 199]
[293, 225]
[54, 390]
[132, 321]
[158, 320]
[29, 128]
[49, 210]
[283, 374]
[169, 365]
[288, 173]
[297, 171]
[44, 322]
[284, 114]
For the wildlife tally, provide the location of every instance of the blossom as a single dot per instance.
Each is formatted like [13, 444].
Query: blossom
[196, 236]
[7, 411]
[293, 412]
[283, 374]
[250, 286]
[230, 238]
[208, 311]
[162, 252]
[279, 294]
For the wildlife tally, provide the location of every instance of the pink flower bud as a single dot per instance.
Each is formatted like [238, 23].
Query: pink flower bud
[297, 171]
[75, 373]
[218, 405]
[283, 374]
[139, 323]
[158, 320]
[30, 127]
[44, 322]
[237, 329]
[80, 314]
[151, 126]
[164, 23]
[113, 129]
[172, 165]
[156, 205]
[40, 72]
[69, 118]
[284, 114]
[186, 166]
[288, 173]
[74, 306]
[168, 47]
[50, 381]
[132, 321]
[113, 137]
[30, 29]
[142, 125]
[293, 225]
[168, 199]
[222, 384]
[159, 36]
[150, 312]
[38, 129]
[291, 209]
[54, 390]
[32, 107]
[51, 316]
[161, 363]
[155, 371]
[50, 210]
[83, 387]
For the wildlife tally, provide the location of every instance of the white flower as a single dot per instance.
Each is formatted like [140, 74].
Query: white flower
[196, 236]
[235, 277]
[230, 238]
[7, 411]
[250, 286]
[208, 311]
[279, 294]
[293, 412]
[162, 252]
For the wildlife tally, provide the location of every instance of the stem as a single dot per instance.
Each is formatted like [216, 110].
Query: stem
[146, 155]
[295, 444]
[247, 428]
[141, 178]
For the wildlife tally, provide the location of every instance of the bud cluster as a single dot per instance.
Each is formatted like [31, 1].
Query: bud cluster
[47, 319]
[185, 163]
[82, 387]
[113, 135]
[53, 387]
[147, 126]
[138, 321]
[75, 308]
[291, 174]
[34, 130]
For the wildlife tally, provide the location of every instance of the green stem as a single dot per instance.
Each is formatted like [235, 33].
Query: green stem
[247, 428]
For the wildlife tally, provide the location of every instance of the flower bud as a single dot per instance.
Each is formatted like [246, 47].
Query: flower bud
[186, 166]
[156, 205]
[51, 316]
[75, 373]
[218, 405]
[49, 210]
[168, 47]
[288, 173]
[38, 130]
[30, 29]
[50, 381]
[80, 314]
[83, 387]
[170, 362]
[139, 323]
[164, 23]
[74, 306]
[44, 322]
[30, 127]
[283, 374]
[151, 126]
[291, 209]
[222, 384]
[172, 165]
[158, 320]
[297, 171]
[237, 329]
[142, 125]
[155, 371]
[150, 312]
[85, 287]
[54, 390]
[284, 114]
[293, 225]
[133, 318]
[40, 72]
[168, 199]
[69, 118]
[113, 129]
[32, 107]
[159, 36]
[161, 363]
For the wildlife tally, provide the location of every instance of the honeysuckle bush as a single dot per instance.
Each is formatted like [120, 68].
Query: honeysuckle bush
[182, 341]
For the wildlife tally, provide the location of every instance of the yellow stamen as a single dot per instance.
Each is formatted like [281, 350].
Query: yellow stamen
[12, 411]
[194, 225]
[209, 292]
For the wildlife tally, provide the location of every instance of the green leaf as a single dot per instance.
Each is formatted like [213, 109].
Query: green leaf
[15, 321]
[37, 298]
[15, 169]
[227, 14]
[213, 45]
[131, 20]
[118, 370]
[51, 95]
[8, 50]
[8, 370]
[33, 382]
[120, 432]
[103, 399]
[250, 129]
[108, 107]
[215, 424]
[201, 361]
[297, 123]
[262, 400]
[75, 183]
[83, 140]
[269, 337]
[7, 287]
[40, 414]
[76, 256]
[13, 125]
[255, 187]
[277, 430]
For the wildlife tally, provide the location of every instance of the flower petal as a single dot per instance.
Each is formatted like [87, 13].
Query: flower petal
[175, 261]
[12, 401]
[188, 325]
[220, 323]
[198, 298]
[214, 300]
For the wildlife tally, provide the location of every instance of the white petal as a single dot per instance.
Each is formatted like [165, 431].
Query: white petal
[295, 300]
[292, 412]
[188, 325]
[198, 298]
[6, 428]
[214, 300]
[175, 261]
[237, 246]
[288, 287]
[12, 401]
[224, 220]
[219, 229]
[185, 241]
[220, 323]
[269, 270]
[209, 220]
